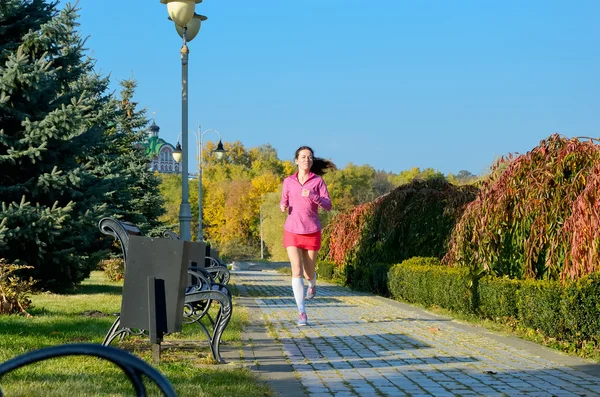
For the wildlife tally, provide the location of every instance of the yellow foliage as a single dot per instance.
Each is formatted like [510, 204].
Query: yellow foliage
[263, 184]
[289, 167]
[213, 210]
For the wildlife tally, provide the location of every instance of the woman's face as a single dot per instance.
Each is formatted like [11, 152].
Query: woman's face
[304, 160]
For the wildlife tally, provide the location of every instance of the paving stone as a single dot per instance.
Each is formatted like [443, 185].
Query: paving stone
[365, 391]
[383, 347]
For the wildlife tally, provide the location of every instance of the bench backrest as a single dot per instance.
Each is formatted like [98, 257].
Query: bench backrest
[120, 230]
[198, 255]
[171, 234]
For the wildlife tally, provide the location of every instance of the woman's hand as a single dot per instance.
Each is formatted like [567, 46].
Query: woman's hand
[283, 207]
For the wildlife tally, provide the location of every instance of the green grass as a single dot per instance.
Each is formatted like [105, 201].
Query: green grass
[287, 271]
[84, 316]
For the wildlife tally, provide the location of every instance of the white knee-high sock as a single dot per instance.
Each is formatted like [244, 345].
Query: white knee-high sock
[298, 288]
[313, 281]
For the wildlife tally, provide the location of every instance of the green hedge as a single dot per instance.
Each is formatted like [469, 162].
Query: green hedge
[539, 307]
[424, 281]
[569, 312]
[373, 278]
[581, 308]
[497, 298]
[326, 270]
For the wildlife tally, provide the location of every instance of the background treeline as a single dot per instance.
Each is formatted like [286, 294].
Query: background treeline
[242, 191]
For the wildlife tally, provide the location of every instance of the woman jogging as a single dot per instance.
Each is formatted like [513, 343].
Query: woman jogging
[303, 193]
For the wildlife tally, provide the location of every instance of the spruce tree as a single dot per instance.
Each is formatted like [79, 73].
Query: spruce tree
[54, 112]
[138, 200]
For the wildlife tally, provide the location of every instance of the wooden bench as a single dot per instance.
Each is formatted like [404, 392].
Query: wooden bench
[199, 295]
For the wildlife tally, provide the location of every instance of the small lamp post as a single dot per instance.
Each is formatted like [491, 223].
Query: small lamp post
[219, 153]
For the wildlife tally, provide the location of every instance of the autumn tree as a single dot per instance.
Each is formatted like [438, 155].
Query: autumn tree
[463, 177]
[350, 186]
[381, 183]
[272, 226]
[233, 190]
[170, 190]
[407, 176]
[264, 160]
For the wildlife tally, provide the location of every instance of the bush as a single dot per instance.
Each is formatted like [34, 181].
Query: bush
[326, 269]
[424, 281]
[567, 314]
[373, 278]
[539, 306]
[14, 292]
[415, 219]
[535, 216]
[113, 268]
[497, 298]
[422, 261]
[581, 308]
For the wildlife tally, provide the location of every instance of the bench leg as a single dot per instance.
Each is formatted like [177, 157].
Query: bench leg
[116, 331]
[219, 273]
[192, 316]
[113, 332]
[220, 324]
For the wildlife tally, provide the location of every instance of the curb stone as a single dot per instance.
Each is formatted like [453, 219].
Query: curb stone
[262, 354]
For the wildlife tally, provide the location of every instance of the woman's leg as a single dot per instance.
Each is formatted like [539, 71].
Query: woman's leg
[309, 259]
[295, 256]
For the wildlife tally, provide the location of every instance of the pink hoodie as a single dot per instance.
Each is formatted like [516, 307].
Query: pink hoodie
[303, 211]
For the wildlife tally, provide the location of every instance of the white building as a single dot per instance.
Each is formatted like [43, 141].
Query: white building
[160, 152]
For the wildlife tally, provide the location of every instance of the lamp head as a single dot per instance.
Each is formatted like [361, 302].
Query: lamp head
[192, 27]
[181, 11]
[177, 153]
[220, 151]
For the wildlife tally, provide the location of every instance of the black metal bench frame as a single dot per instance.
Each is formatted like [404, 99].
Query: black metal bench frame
[131, 365]
[198, 297]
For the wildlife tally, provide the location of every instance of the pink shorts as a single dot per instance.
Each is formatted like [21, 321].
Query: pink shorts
[311, 242]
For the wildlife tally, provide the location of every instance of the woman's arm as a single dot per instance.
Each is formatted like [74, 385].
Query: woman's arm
[285, 201]
[321, 198]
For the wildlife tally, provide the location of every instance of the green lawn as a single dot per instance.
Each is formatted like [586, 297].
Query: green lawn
[84, 316]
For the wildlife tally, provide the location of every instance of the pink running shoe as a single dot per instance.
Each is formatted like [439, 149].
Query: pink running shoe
[311, 292]
[302, 319]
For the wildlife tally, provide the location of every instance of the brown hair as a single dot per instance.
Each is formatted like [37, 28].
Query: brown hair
[320, 166]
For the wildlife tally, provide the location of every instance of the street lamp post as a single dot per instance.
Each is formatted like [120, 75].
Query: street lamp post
[219, 152]
[262, 242]
[187, 24]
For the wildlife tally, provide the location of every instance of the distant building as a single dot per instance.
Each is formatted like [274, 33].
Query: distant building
[160, 152]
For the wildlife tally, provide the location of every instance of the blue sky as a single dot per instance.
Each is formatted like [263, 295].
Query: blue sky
[395, 84]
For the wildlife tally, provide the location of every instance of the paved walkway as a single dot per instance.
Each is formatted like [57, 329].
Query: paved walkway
[363, 345]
